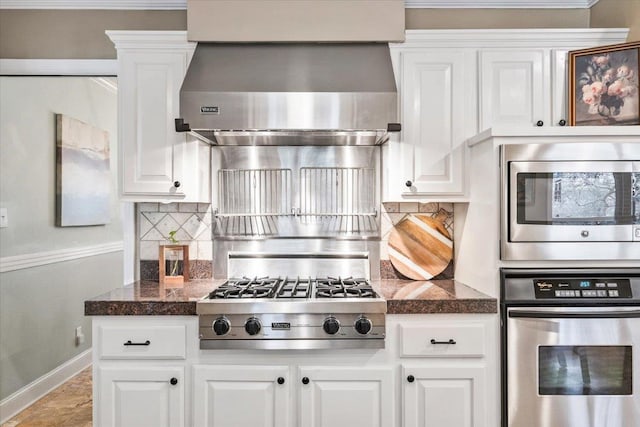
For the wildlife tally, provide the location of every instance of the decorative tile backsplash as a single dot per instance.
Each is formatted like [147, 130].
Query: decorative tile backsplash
[393, 213]
[192, 224]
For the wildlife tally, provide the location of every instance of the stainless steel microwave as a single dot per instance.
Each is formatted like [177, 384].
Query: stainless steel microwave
[570, 201]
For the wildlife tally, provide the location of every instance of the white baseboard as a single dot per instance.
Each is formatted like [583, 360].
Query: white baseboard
[28, 394]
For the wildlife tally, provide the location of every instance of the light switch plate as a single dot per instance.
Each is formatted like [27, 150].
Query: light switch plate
[4, 219]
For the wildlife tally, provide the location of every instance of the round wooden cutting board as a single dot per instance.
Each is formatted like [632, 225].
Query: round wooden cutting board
[420, 247]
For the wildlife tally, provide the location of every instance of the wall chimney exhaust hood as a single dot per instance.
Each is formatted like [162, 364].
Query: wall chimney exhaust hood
[290, 94]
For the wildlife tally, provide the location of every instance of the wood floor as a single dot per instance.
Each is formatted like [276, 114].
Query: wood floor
[69, 405]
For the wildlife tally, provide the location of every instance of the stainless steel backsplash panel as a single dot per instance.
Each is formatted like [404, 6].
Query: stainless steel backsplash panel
[296, 191]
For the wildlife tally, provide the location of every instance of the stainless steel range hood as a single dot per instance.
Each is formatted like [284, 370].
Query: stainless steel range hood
[290, 94]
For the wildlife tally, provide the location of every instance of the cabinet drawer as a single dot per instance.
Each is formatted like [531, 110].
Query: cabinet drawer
[429, 341]
[153, 342]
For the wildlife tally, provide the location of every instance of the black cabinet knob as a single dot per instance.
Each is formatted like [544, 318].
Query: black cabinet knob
[305, 380]
[173, 381]
[562, 122]
[539, 123]
[411, 378]
[176, 184]
[280, 380]
[408, 184]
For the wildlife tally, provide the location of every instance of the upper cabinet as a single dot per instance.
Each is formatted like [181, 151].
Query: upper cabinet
[452, 84]
[437, 91]
[156, 163]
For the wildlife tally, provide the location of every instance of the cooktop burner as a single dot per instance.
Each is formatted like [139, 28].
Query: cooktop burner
[298, 288]
[344, 288]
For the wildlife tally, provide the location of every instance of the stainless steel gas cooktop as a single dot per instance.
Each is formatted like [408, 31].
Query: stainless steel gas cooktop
[292, 313]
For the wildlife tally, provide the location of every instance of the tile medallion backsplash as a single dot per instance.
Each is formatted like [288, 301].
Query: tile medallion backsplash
[393, 213]
[192, 224]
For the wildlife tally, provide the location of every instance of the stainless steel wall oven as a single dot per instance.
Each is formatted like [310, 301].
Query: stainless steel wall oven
[571, 347]
[570, 201]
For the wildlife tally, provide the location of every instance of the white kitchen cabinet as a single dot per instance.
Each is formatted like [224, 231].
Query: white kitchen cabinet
[346, 397]
[453, 84]
[437, 98]
[140, 396]
[235, 396]
[156, 163]
[515, 87]
[444, 396]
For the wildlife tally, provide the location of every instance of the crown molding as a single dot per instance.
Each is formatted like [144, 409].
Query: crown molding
[570, 38]
[95, 4]
[182, 4]
[500, 4]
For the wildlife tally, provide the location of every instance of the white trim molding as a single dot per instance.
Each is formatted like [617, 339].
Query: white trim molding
[95, 4]
[512, 38]
[182, 4]
[150, 40]
[18, 262]
[58, 67]
[27, 395]
[499, 4]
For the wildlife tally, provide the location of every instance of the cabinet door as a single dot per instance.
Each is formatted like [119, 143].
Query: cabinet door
[151, 160]
[559, 87]
[346, 397]
[140, 397]
[438, 94]
[515, 88]
[236, 396]
[444, 397]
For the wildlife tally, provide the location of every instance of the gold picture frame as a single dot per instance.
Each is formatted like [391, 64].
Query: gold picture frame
[603, 85]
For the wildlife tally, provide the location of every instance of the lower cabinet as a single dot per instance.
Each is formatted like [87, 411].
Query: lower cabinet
[452, 396]
[236, 396]
[140, 396]
[346, 397]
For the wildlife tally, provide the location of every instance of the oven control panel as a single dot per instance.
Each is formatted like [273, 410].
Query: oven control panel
[612, 288]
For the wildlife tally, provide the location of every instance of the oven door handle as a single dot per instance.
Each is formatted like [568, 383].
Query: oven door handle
[531, 314]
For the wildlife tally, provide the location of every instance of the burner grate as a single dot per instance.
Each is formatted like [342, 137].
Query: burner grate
[349, 287]
[295, 288]
[263, 287]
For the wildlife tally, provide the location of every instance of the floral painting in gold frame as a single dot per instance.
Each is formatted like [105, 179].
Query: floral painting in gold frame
[603, 85]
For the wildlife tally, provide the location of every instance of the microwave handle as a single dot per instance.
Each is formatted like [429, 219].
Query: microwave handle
[531, 314]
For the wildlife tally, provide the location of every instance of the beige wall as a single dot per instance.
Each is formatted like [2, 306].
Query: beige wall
[496, 18]
[618, 13]
[79, 34]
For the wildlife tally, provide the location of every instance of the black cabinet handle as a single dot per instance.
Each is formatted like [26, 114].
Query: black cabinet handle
[408, 184]
[562, 122]
[451, 341]
[147, 342]
[411, 378]
[280, 380]
[305, 380]
[173, 381]
[176, 184]
[539, 123]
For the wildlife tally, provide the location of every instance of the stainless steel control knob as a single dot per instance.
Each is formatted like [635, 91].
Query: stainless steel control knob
[252, 326]
[331, 325]
[221, 326]
[363, 326]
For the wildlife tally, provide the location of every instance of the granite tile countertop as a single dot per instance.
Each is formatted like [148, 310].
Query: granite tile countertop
[403, 297]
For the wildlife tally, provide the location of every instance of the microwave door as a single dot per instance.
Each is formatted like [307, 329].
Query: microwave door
[572, 201]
